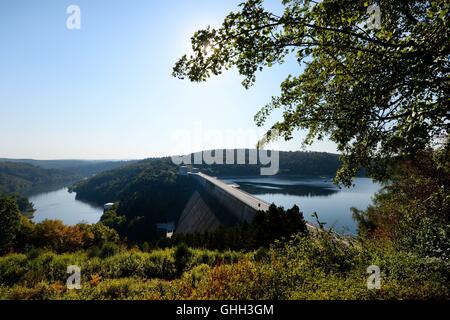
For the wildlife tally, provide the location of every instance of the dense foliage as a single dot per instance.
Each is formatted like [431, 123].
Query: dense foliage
[19, 233]
[275, 224]
[145, 192]
[111, 185]
[21, 177]
[413, 209]
[9, 222]
[114, 185]
[78, 168]
[312, 267]
[23, 204]
[378, 91]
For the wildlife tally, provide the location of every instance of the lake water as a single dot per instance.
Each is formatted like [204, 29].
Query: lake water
[62, 205]
[313, 195]
[310, 194]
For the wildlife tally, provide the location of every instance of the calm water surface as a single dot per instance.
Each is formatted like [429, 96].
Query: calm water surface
[61, 205]
[310, 194]
[313, 195]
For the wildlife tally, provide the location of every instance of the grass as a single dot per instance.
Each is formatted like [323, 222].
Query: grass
[313, 267]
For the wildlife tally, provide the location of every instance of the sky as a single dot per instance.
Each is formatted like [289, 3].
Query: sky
[106, 91]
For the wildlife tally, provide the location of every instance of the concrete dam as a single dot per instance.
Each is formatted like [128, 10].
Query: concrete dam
[215, 203]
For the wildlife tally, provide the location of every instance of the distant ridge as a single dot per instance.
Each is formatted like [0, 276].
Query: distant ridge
[20, 178]
[152, 191]
[82, 168]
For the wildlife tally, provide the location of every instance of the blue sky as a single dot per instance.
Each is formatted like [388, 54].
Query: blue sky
[106, 91]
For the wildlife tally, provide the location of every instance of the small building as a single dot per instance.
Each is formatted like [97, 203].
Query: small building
[108, 206]
[195, 170]
[183, 170]
[167, 228]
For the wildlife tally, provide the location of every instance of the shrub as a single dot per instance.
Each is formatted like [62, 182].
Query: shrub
[41, 291]
[261, 255]
[160, 264]
[108, 249]
[97, 235]
[12, 268]
[314, 267]
[182, 257]
[412, 210]
[127, 264]
[53, 234]
[9, 222]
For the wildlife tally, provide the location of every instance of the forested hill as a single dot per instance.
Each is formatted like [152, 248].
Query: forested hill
[81, 168]
[20, 178]
[152, 191]
[114, 184]
[149, 192]
[290, 163]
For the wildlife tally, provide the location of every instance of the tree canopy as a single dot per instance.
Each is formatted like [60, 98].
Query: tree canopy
[9, 222]
[378, 93]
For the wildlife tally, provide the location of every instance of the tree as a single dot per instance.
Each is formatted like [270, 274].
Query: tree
[55, 235]
[379, 94]
[9, 222]
[182, 256]
[114, 221]
[413, 210]
[97, 234]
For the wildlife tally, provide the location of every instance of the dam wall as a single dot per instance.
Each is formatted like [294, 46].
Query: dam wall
[216, 203]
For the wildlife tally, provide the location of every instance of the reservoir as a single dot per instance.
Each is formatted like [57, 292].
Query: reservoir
[313, 194]
[61, 205]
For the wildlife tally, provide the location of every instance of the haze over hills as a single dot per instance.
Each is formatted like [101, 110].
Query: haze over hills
[82, 168]
[145, 190]
[109, 185]
[20, 176]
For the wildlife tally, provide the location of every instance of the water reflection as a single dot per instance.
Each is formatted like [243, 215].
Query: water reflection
[313, 194]
[61, 205]
[298, 190]
[40, 189]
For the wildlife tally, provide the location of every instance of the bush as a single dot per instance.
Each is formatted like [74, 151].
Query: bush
[12, 268]
[261, 255]
[182, 257]
[318, 266]
[9, 222]
[264, 230]
[412, 210]
[97, 235]
[126, 264]
[108, 249]
[54, 235]
[160, 264]
[41, 291]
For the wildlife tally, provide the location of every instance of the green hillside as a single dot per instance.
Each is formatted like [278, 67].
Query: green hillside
[145, 190]
[82, 168]
[20, 178]
[114, 185]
